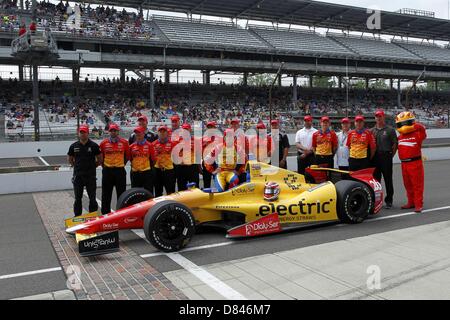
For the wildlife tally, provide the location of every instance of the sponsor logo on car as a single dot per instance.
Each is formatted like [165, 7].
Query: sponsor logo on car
[244, 190]
[295, 209]
[129, 220]
[266, 225]
[376, 185]
[110, 226]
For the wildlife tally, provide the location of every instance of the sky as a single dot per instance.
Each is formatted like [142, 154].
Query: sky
[440, 7]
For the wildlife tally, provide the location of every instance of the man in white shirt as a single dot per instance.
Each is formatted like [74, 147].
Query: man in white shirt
[343, 153]
[303, 140]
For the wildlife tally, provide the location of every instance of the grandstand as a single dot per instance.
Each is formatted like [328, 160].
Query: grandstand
[129, 41]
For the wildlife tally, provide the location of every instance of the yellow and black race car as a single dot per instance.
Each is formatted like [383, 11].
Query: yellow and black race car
[271, 201]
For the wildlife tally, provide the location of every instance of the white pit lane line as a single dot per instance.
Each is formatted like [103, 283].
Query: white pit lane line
[29, 273]
[207, 278]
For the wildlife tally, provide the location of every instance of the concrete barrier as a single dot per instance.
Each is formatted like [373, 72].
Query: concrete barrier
[61, 180]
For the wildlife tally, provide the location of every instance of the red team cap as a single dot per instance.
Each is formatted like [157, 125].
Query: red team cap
[325, 119]
[139, 130]
[235, 121]
[360, 118]
[114, 126]
[345, 120]
[83, 128]
[379, 113]
[143, 118]
[261, 126]
[163, 128]
[211, 124]
[308, 118]
[274, 122]
[186, 126]
[175, 118]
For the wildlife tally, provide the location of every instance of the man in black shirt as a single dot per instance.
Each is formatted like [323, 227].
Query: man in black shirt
[149, 135]
[387, 145]
[283, 144]
[84, 156]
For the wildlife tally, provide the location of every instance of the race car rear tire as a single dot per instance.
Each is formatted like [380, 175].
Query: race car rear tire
[354, 201]
[133, 196]
[169, 226]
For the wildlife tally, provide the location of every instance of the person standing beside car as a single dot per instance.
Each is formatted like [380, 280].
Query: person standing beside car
[303, 140]
[325, 144]
[387, 145]
[115, 153]
[84, 156]
[343, 152]
[141, 151]
[362, 146]
[164, 167]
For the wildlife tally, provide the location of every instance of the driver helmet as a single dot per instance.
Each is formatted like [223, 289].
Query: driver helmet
[405, 122]
[271, 191]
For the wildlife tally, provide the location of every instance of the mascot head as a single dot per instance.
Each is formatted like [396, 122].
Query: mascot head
[405, 122]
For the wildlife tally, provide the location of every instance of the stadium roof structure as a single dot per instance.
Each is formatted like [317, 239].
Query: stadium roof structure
[301, 12]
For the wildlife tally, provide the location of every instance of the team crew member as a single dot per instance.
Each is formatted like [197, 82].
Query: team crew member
[140, 157]
[176, 124]
[262, 145]
[325, 144]
[225, 168]
[149, 135]
[303, 140]
[243, 144]
[343, 152]
[283, 144]
[208, 139]
[84, 156]
[410, 141]
[115, 153]
[162, 158]
[189, 170]
[387, 143]
[362, 146]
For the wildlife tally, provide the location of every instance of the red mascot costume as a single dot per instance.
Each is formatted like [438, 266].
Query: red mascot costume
[412, 135]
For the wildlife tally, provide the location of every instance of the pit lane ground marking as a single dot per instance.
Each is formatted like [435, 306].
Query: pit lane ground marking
[207, 278]
[44, 162]
[208, 246]
[408, 214]
[29, 273]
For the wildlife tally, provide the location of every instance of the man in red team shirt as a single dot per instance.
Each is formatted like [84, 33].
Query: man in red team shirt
[189, 170]
[208, 139]
[141, 165]
[162, 158]
[325, 144]
[410, 141]
[261, 145]
[115, 151]
[362, 146]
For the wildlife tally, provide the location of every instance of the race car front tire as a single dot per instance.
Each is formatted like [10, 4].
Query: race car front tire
[132, 197]
[169, 226]
[354, 201]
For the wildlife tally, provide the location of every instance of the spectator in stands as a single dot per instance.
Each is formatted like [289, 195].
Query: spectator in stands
[325, 144]
[84, 156]
[33, 27]
[362, 146]
[343, 153]
[22, 30]
[387, 144]
[115, 154]
[303, 140]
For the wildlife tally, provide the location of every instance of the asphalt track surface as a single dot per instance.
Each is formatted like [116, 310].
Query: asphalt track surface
[24, 243]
